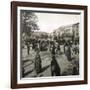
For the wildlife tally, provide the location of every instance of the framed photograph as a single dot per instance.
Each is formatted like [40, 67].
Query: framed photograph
[48, 44]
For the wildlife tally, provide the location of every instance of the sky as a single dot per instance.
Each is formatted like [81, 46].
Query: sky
[48, 22]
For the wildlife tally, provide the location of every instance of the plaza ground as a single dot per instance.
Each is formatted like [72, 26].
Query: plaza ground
[29, 61]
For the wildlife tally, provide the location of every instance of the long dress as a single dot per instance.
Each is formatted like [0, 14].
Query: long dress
[68, 52]
[55, 69]
[38, 63]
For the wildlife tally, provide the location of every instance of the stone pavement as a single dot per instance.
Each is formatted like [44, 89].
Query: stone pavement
[64, 64]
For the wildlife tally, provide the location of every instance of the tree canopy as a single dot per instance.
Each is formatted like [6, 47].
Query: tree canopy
[28, 22]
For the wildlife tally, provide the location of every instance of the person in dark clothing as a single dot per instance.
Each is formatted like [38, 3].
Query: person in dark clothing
[75, 71]
[28, 49]
[23, 70]
[55, 69]
[58, 49]
[53, 50]
[69, 53]
[67, 50]
[65, 45]
[38, 62]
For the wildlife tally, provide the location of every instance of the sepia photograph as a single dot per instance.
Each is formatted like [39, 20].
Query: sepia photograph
[49, 43]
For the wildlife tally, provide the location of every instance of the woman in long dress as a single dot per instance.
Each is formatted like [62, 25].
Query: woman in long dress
[55, 69]
[38, 62]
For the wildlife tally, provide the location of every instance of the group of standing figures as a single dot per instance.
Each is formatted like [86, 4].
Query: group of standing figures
[55, 68]
[55, 49]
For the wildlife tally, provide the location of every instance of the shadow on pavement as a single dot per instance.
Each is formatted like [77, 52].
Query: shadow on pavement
[28, 72]
[44, 68]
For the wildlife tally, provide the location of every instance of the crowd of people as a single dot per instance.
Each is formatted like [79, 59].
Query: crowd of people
[54, 47]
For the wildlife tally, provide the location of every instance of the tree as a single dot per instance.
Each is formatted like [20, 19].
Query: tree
[28, 25]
